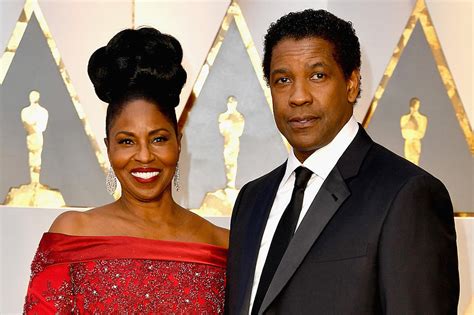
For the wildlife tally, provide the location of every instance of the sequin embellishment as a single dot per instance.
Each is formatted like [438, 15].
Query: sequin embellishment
[132, 286]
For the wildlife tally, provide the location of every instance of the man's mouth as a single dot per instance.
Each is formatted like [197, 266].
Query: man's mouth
[302, 121]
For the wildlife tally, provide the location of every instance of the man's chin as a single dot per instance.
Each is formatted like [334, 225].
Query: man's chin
[303, 152]
[305, 146]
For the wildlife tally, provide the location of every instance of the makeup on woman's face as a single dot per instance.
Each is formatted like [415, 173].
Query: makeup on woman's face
[143, 149]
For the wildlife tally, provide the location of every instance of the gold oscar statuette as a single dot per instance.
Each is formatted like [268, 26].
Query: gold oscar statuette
[231, 127]
[34, 194]
[413, 126]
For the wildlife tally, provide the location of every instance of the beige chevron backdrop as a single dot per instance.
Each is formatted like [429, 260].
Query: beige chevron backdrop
[80, 26]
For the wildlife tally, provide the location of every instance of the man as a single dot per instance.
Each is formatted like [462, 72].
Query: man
[344, 226]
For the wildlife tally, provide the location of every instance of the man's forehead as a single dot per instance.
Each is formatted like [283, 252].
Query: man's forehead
[306, 48]
[307, 38]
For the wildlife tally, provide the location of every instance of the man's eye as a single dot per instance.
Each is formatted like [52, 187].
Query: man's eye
[283, 80]
[125, 141]
[318, 76]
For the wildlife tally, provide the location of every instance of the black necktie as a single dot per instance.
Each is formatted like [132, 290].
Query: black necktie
[283, 234]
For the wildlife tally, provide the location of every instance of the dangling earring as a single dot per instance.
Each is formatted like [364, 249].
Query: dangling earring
[176, 177]
[111, 181]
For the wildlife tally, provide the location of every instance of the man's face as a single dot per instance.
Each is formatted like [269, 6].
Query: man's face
[312, 100]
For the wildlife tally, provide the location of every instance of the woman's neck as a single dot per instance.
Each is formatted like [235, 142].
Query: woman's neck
[160, 211]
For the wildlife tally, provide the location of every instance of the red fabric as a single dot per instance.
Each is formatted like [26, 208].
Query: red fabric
[110, 274]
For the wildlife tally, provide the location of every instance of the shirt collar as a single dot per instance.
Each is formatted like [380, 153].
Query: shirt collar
[323, 160]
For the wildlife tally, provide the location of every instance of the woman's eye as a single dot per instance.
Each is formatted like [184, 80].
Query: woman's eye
[159, 139]
[125, 141]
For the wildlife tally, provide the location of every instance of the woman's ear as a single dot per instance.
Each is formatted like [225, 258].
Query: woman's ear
[180, 136]
[106, 141]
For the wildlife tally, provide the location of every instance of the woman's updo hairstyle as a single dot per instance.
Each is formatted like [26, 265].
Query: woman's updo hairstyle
[138, 64]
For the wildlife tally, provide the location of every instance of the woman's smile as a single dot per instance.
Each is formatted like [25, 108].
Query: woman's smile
[145, 174]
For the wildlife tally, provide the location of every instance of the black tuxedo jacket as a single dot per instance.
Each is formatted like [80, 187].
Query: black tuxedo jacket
[378, 238]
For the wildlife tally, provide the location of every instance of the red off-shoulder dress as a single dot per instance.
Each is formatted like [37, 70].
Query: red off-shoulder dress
[121, 274]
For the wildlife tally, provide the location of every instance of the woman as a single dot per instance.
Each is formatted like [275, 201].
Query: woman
[142, 253]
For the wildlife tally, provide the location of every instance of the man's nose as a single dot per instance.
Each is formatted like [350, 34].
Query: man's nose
[300, 93]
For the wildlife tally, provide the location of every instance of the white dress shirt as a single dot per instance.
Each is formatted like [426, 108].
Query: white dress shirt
[321, 162]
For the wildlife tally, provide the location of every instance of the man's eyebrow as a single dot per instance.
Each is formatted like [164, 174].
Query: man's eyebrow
[317, 64]
[279, 71]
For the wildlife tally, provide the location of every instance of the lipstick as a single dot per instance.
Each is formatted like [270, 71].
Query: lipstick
[145, 174]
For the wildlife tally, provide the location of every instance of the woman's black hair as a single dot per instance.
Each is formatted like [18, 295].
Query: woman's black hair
[138, 64]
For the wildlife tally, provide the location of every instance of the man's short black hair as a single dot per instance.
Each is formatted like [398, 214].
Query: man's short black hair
[315, 23]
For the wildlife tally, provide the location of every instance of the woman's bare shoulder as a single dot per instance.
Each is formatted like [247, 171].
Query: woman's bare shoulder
[210, 232]
[221, 236]
[76, 222]
[68, 222]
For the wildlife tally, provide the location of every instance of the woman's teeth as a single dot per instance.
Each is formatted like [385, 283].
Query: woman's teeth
[145, 175]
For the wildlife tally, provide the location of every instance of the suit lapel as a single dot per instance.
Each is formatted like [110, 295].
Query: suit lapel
[255, 227]
[330, 197]
[328, 200]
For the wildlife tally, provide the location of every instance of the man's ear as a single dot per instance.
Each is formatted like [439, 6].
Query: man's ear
[353, 86]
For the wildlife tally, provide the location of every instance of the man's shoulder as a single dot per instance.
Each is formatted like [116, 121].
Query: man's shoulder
[387, 163]
[383, 175]
[368, 159]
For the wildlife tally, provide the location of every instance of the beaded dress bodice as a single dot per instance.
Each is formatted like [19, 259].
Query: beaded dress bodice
[117, 274]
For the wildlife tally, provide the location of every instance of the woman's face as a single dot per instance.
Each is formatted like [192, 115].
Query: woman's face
[143, 149]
